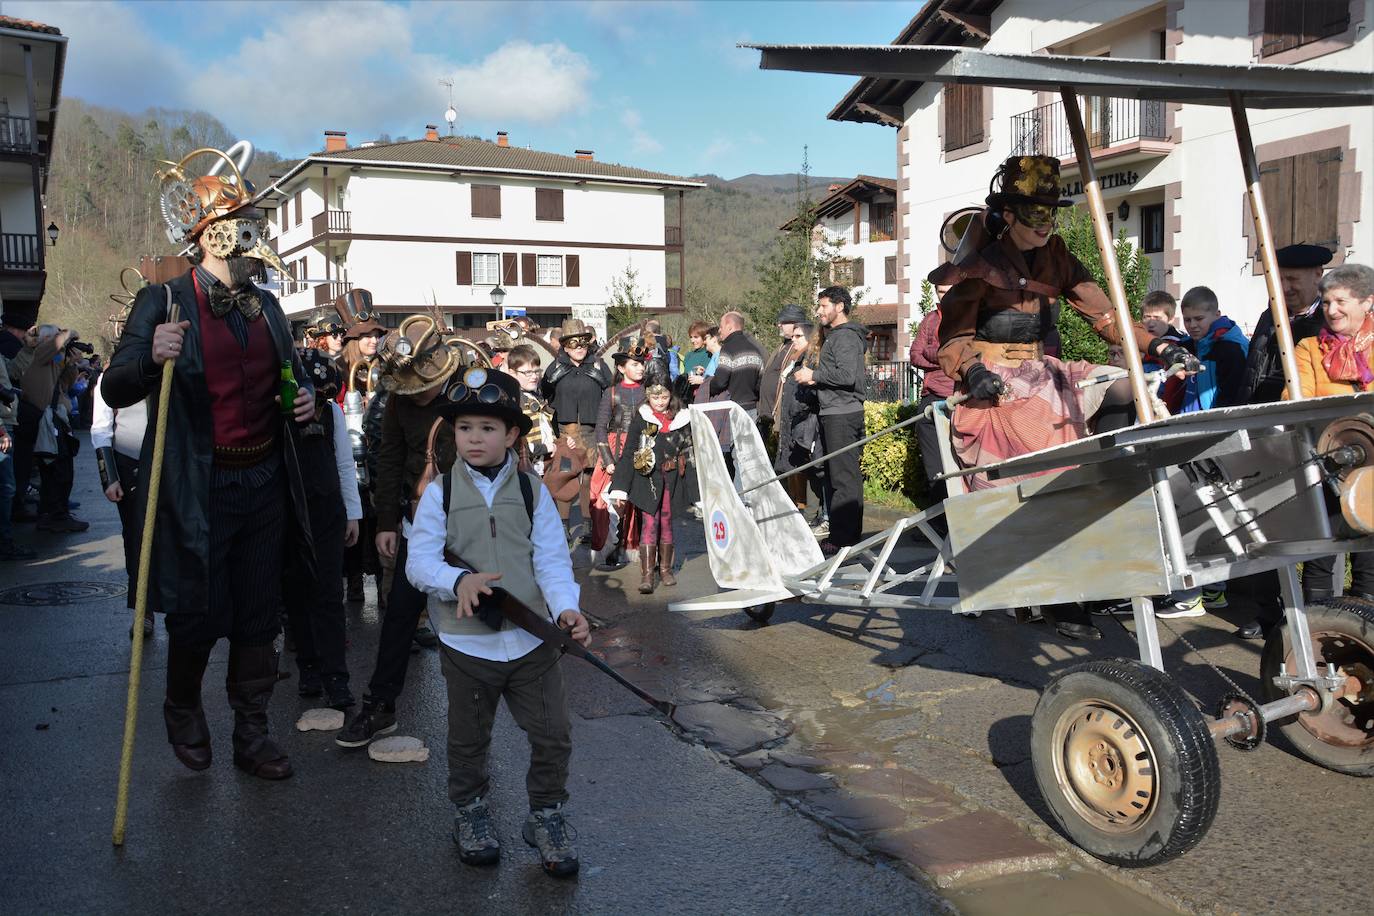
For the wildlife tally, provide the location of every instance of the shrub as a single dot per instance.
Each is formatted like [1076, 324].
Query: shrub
[893, 462]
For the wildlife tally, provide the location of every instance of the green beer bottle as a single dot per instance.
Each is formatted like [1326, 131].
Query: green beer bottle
[288, 389]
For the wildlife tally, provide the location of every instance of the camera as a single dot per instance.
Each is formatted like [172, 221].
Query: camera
[81, 347]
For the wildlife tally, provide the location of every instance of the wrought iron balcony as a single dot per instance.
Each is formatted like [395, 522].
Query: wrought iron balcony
[1044, 131]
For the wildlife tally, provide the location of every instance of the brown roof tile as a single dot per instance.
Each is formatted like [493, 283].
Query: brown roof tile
[28, 25]
[876, 315]
[481, 154]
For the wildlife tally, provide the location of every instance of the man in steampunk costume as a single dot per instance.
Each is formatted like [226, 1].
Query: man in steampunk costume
[414, 443]
[231, 498]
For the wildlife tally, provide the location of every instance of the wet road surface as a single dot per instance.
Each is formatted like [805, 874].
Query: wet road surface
[834, 761]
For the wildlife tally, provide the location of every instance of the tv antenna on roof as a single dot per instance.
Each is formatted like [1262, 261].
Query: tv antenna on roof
[452, 114]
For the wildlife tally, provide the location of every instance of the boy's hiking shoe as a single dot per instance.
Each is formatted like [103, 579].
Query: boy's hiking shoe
[473, 835]
[1214, 599]
[371, 722]
[548, 831]
[1187, 607]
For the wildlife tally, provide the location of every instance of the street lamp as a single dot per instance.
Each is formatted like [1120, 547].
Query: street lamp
[52, 233]
[498, 296]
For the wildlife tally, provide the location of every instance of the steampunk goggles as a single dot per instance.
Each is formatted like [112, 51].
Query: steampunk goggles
[475, 388]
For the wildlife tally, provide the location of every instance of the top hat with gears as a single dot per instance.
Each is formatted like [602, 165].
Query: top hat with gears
[1027, 180]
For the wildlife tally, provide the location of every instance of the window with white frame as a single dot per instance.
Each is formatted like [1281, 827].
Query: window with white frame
[486, 269]
[550, 270]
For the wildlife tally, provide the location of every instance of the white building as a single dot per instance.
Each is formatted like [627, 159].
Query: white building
[444, 221]
[1171, 174]
[856, 230]
[32, 56]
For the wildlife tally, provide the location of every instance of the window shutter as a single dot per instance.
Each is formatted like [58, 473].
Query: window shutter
[298, 208]
[890, 270]
[509, 274]
[1276, 179]
[572, 270]
[465, 268]
[1316, 181]
[548, 204]
[528, 270]
[973, 115]
[486, 201]
[858, 270]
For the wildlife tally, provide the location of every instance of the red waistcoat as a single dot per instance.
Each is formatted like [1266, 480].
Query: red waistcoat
[243, 382]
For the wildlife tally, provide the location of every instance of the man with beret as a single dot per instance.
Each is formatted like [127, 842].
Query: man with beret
[1300, 269]
[771, 380]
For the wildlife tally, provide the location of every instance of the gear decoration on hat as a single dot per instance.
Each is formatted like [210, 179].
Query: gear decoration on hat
[189, 204]
[181, 209]
[419, 355]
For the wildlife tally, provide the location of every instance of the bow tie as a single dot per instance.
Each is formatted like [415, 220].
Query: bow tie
[246, 299]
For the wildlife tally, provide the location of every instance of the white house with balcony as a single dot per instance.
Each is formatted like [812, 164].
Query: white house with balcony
[1170, 173]
[442, 222]
[32, 56]
[856, 231]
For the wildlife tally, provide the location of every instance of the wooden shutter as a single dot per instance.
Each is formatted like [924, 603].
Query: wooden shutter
[465, 268]
[486, 201]
[528, 270]
[298, 209]
[1316, 181]
[963, 115]
[858, 270]
[890, 270]
[548, 204]
[1291, 24]
[509, 273]
[572, 270]
[1276, 180]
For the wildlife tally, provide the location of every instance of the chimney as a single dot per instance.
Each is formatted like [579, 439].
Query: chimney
[502, 138]
[335, 141]
[432, 132]
[833, 188]
[586, 154]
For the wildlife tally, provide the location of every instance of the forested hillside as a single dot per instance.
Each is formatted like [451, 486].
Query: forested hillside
[103, 197]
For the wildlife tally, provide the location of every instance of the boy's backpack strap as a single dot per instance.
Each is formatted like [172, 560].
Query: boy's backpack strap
[527, 491]
[448, 491]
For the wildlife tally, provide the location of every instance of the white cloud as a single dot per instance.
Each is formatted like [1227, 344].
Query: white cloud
[717, 148]
[524, 82]
[640, 140]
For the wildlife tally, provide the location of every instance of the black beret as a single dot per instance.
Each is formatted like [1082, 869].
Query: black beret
[1303, 256]
[792, 314]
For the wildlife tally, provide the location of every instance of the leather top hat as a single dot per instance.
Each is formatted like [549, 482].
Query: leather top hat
[576, 329]
[1030, 180]
[486, 393]
[641, 350]
[355, 307]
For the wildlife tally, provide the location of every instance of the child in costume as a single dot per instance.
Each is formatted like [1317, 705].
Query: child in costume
[484, 527]
[653, 479]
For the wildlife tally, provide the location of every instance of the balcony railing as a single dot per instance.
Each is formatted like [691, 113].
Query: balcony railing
[14, 133]
[1044, 131]
[674, 297]
[672, 236]
[331, 221]
[20, 251]
[325, 293]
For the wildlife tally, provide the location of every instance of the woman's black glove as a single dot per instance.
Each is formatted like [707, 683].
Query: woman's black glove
[983, 384]
[1172, 354]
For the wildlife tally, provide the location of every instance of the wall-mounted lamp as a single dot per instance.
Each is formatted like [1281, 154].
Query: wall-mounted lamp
[52, 234]
[1123, 211]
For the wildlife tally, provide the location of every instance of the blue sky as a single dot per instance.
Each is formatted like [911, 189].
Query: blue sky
[658, 85]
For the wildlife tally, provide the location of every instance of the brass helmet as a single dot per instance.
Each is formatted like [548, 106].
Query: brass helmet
[191, 206]
[419, 355]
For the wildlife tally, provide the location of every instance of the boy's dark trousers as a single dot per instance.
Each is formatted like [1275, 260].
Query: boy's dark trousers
[315, 608]
[533, 688]
[404, 606]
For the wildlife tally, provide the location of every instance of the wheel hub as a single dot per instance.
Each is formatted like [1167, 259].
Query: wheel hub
[1348, 722]
[1105, 766]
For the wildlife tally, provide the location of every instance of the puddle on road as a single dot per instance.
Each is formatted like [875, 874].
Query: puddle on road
[1063, 892]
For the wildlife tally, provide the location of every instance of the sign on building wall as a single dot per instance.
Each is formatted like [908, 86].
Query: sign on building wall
[513, 311]
[1109, 181]
[594, 315]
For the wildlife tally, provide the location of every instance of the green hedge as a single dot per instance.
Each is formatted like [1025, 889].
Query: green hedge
[893, 462]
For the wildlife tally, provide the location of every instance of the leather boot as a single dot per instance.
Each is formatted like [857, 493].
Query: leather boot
[665, 565]
[354, 587]
[187, 730]
[648, 560]
[252, 675]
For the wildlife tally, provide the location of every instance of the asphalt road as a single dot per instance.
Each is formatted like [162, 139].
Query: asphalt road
[835, 761]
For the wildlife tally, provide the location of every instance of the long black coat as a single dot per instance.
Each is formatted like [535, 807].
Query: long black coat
[575, 391]
[181, 546]
[645, 491]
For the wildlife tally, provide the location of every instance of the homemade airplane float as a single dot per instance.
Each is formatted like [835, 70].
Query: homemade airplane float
[1123, 755]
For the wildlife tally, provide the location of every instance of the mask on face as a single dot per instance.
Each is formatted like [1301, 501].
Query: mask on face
[238, 239]
[1036, 216]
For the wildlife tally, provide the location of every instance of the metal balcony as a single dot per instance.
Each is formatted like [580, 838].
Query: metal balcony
[20, 251]
[14, 133]
[1109, 123]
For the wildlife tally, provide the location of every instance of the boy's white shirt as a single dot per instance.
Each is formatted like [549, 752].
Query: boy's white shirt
[348, 471]
[427, 571]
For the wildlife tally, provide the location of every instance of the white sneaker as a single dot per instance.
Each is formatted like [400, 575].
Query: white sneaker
[821, 531]
[1189, 607]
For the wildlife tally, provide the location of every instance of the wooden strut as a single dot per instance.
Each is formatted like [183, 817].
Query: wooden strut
[1116, 290]
[145, 555]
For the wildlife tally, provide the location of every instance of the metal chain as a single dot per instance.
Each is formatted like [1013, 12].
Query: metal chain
[1199, 653]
